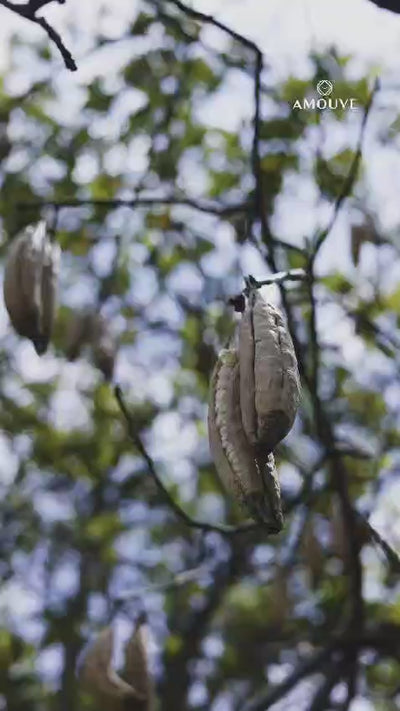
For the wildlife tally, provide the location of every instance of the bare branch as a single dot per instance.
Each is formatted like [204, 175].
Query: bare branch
[208, 207]
[258, 67]
[351, 176]
[392, 557]
[211, 208]
[321, 699]
[28, 12]
[238, 302]
[210, 20]
[278, 278]
[169, 500]
[255, 158]
[309, 666]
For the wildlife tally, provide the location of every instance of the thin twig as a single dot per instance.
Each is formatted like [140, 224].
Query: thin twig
[169, 500]
[314, 349]
[392, 557]
[238, 301]
[321, 698]
[210, 20]
[256, 159]
[178, 580]
[28, 12]
[208, 207]
[348, 183]
[309, 666]
[278, 278]
[258, 67]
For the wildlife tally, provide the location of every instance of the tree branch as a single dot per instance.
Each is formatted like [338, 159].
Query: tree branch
[348, 183]
[255, 156]
[28, 12]
[169, 500]
[278, 278]
[309, 666]
[392, 557]
[210, 20]
[321, 698]
[191, 629]
[258, 67]
[211, 208]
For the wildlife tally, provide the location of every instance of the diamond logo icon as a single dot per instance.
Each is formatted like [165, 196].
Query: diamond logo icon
[324, 87]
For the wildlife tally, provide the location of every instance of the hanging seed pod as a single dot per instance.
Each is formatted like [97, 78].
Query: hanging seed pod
[78, 334]
[254, 484]
[30, 285]
[104, 346]
[97, 676]
[269, 378]
[112, 692]
[136, 671]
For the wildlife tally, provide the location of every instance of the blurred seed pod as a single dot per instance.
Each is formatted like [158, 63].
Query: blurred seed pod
[104, 346]
[97, 676]
[113, 692]
[30, 285]
[269, 377]
[78, 334]
[136, 671]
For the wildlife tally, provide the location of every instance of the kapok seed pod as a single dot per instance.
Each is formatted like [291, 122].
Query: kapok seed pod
[98, 678]
[21, 295]
[136, 670]
[104, 346]
[30, 285]
[49, 287]
[78, 334]
[234, 458]
[269, 378]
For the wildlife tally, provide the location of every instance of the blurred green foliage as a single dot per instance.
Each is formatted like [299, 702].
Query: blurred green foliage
[86, 538]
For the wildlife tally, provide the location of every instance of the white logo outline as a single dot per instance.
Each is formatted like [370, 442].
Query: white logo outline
[325, 87]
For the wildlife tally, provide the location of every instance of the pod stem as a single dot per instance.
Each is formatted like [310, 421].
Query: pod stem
[277, 278]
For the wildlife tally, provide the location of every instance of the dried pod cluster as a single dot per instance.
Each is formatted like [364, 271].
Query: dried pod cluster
[255, 393]
[133, 690]
[30, 285]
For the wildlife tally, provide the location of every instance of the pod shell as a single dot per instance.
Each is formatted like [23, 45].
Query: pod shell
[30, 285]
[269, 377]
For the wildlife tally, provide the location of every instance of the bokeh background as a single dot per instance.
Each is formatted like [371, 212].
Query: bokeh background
[162, 107]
